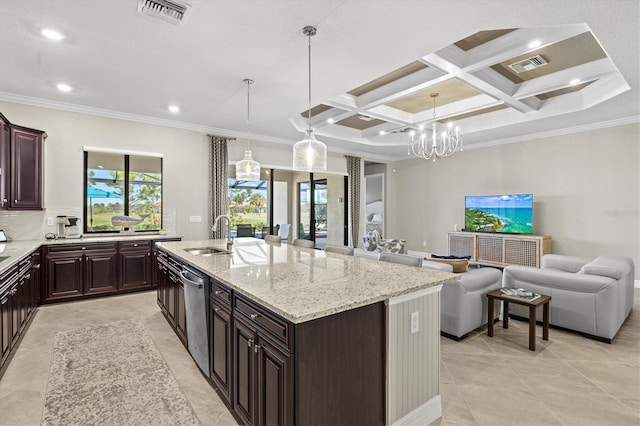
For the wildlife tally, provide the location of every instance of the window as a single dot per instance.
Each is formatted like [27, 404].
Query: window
[122, 192]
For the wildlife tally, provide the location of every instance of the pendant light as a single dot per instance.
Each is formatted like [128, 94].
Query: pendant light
[309, 155]
[248, 168]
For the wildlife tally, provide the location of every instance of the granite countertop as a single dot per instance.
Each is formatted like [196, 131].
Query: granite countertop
[16, 250]
[303, 284]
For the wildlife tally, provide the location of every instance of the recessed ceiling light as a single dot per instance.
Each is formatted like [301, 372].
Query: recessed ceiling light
[52, 34]
[382, 132]
[330, 120]
[574, 81]
[534, 44]
[63, 87]
[174, 108]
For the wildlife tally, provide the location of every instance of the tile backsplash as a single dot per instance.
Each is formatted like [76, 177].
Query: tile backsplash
[32, 225]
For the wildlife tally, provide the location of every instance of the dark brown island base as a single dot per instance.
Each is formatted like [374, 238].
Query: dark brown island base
[300, 336]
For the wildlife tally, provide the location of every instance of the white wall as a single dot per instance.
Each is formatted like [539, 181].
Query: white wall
[586, 189]
[186, 169]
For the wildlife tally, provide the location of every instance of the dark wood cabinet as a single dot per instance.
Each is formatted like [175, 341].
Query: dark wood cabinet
[181, 313]
[63, 274]
[244, 371]
[26, 169]
[5, 324]
[21, 166]
[135, 265]
[171, 295]
[100, 271]
[19, 293]
[8, 281]
[5, 161]
[220, 348]
[274, 384]
[78, 270]
[263, 366]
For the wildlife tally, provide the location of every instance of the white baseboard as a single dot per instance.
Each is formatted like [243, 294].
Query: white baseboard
[425, 414]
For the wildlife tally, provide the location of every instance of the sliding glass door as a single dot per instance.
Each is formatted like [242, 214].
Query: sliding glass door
[321, 213]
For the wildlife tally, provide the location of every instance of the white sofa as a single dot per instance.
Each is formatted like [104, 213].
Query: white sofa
[590, 296]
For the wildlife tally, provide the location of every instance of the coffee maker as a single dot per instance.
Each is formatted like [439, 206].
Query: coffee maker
[61, 223]
[73, 227]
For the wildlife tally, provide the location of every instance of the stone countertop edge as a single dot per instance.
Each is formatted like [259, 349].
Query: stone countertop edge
[17, 250]
[331, 296]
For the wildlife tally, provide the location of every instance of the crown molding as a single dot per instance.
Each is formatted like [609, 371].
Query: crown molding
[82, 109]
[557, 132]
[45, 103]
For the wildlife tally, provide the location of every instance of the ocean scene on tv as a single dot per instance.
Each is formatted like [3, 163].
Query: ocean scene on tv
[511, 214]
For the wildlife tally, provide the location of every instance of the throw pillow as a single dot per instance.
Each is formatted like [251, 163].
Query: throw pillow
[458, 265]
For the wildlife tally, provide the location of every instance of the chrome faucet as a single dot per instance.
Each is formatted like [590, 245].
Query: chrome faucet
[215, 226]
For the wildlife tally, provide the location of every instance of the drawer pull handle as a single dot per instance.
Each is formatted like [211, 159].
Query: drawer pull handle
[135, 245]
[216, 309]
[254, 316]
[84, 248]
[250, 342]
[217, 292]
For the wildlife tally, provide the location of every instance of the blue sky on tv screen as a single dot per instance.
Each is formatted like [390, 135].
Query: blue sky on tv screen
[503, 201]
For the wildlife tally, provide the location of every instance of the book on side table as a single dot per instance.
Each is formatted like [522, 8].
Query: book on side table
[522, 293]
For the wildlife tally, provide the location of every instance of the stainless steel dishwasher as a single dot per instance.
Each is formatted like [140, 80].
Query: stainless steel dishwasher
[196, 289]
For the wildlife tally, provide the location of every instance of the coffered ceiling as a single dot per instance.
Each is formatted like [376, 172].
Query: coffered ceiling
[487, 80]
[374, 65]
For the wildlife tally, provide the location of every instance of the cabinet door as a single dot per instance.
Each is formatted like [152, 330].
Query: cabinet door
[172, 284]
[181, 314]
[22, 298]
[135, 269]
[35, 283]
[155, 276]
[220, 341]
[5, 135]
[244, 371]
[63, 275]
[101, 271]
[15, 313]
[26, 169]
[275, 385]
[5, 325]
[160, 291]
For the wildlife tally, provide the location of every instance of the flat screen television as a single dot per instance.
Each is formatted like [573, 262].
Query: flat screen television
[509, 214]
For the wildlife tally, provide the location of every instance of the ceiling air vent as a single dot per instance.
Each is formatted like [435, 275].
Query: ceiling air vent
[528, 64]
[169, 11]
[365, 118]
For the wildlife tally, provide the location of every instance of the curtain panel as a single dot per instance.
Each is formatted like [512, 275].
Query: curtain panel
[218, 183]
[354, 169]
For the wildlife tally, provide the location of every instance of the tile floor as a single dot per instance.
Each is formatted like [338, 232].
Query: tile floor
[568, 380]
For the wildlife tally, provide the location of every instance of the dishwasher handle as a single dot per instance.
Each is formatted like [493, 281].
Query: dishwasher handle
[187, 278]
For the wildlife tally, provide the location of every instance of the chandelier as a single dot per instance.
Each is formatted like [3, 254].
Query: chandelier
[309, 154]
[437, 147]
[248, 168]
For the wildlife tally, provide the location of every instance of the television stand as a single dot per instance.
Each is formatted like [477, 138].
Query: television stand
[500, 250]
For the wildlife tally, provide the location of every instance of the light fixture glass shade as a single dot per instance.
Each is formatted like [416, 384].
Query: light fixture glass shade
[247, 168]
[309, 155]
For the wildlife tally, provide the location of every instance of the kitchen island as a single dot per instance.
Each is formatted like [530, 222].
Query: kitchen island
[301, 336]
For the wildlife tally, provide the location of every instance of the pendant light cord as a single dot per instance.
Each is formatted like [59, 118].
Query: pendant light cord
[248, 103]
[249, 83]
[309, 115]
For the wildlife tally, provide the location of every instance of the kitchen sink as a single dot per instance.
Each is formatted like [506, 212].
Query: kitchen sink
[206, 251]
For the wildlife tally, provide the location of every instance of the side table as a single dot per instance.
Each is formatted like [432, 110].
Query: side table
[531, 304]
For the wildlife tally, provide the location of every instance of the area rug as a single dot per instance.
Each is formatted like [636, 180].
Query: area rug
[112, 374]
